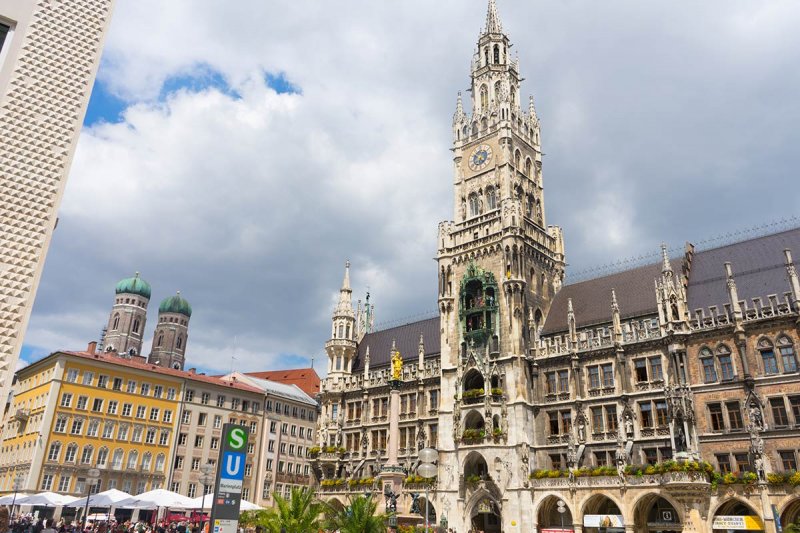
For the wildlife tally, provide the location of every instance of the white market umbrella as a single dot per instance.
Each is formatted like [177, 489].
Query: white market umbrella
[46, 498]
[8, 498]
[205, 502]
[157, 498]
[108, 498]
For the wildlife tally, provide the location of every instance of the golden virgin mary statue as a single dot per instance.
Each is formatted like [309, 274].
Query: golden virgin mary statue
[397, 366]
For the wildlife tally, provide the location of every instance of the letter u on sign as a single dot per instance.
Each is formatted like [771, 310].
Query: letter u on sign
[233, 465]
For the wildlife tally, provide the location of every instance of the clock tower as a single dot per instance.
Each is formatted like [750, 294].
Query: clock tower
[499, 267]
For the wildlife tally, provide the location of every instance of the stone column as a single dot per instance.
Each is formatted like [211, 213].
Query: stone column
[394, 425]
[392, 475]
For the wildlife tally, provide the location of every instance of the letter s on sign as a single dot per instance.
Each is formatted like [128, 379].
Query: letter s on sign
[237, 438]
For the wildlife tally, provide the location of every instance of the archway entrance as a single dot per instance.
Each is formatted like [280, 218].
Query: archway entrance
[551, 518]
[485, 516]
[654, 514]
[602, 515]
[791, 514]
[735, 516]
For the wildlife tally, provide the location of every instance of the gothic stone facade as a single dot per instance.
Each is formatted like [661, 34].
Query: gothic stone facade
[576, 408]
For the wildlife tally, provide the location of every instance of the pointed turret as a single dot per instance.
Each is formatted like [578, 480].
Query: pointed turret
[666, 266]
[616, 331]
[459, 114]
[534, 118]
[342, 345]
[493, 24]
[573, 333]
[421, 353]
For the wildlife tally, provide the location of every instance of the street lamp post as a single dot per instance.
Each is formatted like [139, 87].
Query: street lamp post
[207, 479]
[18, 481]
[92, 477]
[427, 469]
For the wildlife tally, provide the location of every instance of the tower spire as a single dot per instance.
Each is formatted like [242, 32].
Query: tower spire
[665, 264]
[492, 20]
[345, 294]
[459, 114]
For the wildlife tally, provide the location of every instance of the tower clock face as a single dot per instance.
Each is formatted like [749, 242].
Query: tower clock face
[480, 157]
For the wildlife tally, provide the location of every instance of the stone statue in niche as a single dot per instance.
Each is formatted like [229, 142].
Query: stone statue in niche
[628, 426]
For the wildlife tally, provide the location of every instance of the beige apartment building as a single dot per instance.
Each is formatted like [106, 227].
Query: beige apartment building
[287, 437]
[208, 403]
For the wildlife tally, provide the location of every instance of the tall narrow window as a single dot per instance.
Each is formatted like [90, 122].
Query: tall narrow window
[788, 357]
[725, 362]
[496, 53]
[709, 369]
[491, 198]
[115, 325]
[769, 359]
[179, 342]
[136, 325]
[484, 97]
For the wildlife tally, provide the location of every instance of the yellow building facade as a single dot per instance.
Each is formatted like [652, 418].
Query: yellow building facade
[72, 411]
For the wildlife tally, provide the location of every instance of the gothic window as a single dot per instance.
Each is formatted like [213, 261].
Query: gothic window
[709, 368]
[179, 342]
[528, 167]
[491, 199]
[115, 325]
[725, 362]
[513, 97]
[517, 157]
[768, 357]
[347, 332]
[474, 128]
[486, 55]
[465, 131]
[497, 91]
[529, 205]
[136, 325]
[496, 53]
[341, 331]
[484, 97]
[484, 124]
[160, 340]
[474, 205]
[788, 357]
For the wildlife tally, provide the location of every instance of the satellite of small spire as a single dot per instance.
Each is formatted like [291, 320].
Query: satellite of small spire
[492, 20]
[666, 266]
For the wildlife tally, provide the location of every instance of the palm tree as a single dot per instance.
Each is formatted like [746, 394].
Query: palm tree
[300, 513]
[359, 517]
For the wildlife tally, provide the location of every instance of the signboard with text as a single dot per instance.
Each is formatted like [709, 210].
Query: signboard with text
[228, 485]
[743, 523]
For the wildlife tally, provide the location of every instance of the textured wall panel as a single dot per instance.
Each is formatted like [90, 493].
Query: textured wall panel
[40, 119]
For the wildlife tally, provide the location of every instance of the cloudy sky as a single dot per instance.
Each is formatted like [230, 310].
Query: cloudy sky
[241, 151]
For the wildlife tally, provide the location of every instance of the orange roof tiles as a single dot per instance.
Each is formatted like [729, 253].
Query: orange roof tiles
[306, 379]
[184, 374]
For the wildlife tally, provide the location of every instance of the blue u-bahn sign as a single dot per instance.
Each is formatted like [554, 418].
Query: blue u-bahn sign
[230, 475]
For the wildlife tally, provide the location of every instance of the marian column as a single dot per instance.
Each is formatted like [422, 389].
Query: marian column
[392, 474]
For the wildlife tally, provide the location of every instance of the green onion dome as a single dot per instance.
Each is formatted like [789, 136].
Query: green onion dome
[134, 285]
[176, 304]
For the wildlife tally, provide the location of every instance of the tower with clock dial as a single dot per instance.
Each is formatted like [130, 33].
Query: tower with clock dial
[499, 263]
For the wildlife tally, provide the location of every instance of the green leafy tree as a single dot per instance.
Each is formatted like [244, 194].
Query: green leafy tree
[300, 513]
[358, 517]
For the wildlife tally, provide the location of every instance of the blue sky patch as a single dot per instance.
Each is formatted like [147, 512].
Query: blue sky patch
[103, 106]
[280, 84]
[199, 79]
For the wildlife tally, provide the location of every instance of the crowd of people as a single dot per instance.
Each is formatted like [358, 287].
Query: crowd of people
[27, 523]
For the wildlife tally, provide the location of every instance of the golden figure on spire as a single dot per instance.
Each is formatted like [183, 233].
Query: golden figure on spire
[397, 366]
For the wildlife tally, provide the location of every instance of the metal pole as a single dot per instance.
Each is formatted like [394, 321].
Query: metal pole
[13, 500]
[426, 508]
[203, 510]
[86, 505]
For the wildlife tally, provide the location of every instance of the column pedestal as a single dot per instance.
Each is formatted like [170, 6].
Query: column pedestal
[392, 475]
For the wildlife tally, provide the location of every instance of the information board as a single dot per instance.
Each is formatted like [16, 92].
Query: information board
[230, 475]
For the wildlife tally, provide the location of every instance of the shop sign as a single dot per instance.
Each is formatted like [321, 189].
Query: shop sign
[744, 523]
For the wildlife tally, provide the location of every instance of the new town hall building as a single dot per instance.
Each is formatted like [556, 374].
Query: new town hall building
[662, 398]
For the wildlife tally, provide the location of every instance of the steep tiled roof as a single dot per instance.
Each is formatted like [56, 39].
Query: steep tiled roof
[305, 378]
[180, 374]
[591, 299]
[758, 268]
[406, 338]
